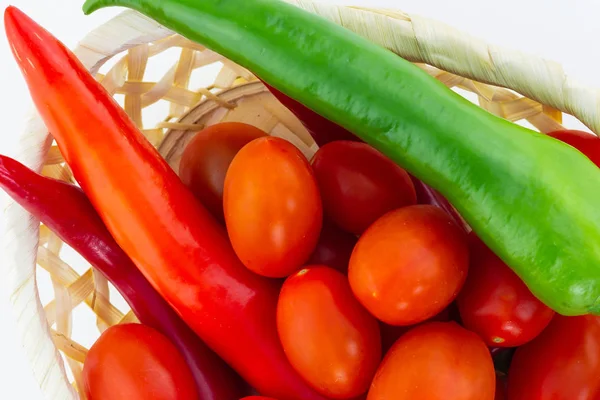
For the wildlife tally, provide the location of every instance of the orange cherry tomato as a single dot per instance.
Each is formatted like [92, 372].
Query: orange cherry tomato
[207, 157]
[496, 304]
[359, 184]
[136, 362]
[329, 338]
[434, 361]
[409, 265]
[272, 206]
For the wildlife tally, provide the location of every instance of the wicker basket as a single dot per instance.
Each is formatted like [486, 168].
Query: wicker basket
[202, 88]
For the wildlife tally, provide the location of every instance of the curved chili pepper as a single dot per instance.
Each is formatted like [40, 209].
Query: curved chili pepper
[324, 131]
[531, 199]
[174, 241]
[66, 210]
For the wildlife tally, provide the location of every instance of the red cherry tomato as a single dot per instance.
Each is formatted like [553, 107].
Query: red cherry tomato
[496, 304]
[136, 362]
[563, 363]
[587, 143]
[333, 248]
[359, 184]
[409, 265]
[273, 209]
[329, 338]
[436, 360]
[206, 159]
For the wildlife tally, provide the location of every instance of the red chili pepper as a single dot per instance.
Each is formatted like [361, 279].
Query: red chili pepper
[66, 210]
[155, 219]
[324, 131]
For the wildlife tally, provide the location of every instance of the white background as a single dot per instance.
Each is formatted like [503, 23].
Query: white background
[563, 30]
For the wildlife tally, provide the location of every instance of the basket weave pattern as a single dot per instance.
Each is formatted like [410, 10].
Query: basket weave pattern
[233, 94]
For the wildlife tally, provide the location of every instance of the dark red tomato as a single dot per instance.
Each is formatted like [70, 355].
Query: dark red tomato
[329, 338]
[391, 333]
[333, 248]
[273, 209]
[563, 363]
[206, 159]
[359, 184]
[409, 265]
[587, 143]
[436, 360]
[496, 304]
[136, 362]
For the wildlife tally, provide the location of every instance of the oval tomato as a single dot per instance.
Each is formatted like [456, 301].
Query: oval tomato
[409, 265]
[496, 304]
[563, 363]
[206, 158]
[329, 338]
[436, 360]
[359, 184]
[333, 248]
[133, 361]
[272, 206]
[587, 143]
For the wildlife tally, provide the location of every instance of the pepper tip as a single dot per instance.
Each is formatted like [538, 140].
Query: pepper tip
[89, 6]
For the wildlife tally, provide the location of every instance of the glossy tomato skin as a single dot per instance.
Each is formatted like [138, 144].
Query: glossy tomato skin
[563, 363]
[496, 304]
[436, 360]
[207, 157]
[273, 209]
[333, 248]
[136, 362]
[587, 143]
[329, 338]
[409, 265]
[359, 184]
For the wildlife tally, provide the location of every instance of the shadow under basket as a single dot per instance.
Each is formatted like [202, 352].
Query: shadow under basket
[173, 88]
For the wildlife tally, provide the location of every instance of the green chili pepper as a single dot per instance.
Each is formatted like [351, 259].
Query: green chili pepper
[533, 200]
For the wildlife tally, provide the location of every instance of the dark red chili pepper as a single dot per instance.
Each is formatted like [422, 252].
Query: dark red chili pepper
[324, 131]
[66, 210]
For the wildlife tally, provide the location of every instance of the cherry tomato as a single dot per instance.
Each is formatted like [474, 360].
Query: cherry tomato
[133, 361]
[329, 338]
[436, 360]
[587, 143]
[333, 248]
[409, 265]
[563, 363]
[273, 209]
[206, 159]
[359, 184]
[496, 304]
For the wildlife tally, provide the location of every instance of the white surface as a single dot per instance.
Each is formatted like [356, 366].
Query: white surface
[556, 29]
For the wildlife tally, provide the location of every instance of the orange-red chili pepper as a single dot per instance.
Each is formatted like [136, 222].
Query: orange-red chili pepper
[167, 233]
